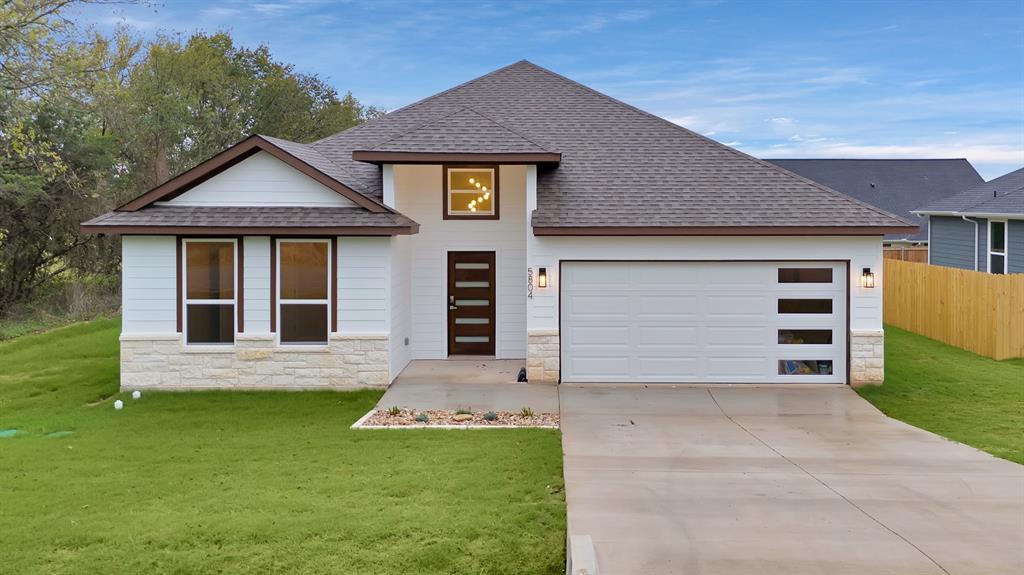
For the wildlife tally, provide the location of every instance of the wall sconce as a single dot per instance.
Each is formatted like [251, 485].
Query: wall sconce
[867, 278]
[542, 278]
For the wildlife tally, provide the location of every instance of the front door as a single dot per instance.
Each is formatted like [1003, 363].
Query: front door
[471, 303]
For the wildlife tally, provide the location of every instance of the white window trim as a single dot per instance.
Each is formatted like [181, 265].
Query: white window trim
[494, 191]
[1006, 246]
[185, 300]
[281, 301]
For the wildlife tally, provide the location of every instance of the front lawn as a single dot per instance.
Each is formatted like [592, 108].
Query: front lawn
[952, 392]
[235, 482]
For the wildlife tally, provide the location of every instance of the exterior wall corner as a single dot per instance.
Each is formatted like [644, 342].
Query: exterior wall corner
[867, 357]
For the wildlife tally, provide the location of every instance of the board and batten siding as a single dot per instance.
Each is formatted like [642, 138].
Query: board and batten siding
[1015, 247]
[952, 243]
[261, 180]
[148, 285]
[417, 191]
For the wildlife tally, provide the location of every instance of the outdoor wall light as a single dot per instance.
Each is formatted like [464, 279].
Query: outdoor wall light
[542, 278]
[867, 278]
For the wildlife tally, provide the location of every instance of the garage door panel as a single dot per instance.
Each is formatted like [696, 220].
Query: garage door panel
[697, 322]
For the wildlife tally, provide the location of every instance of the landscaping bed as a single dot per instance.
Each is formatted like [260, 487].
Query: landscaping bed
[389, 418]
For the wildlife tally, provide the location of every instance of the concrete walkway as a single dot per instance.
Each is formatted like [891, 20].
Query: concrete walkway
[477, 384]
[813, 479]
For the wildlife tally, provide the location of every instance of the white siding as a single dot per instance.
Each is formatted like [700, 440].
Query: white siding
[148, 292]
[865, 304]
[364, 287]
[401, 304]
[261, 180]
[256, 266]
[418, 194]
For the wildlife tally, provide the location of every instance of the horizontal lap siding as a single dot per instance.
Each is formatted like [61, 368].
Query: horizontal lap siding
[364, 285]
[952, 242]
[257, 284]
[1015, 247]
[149, 294]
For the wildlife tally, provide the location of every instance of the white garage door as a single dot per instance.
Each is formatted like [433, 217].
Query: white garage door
[734, 322]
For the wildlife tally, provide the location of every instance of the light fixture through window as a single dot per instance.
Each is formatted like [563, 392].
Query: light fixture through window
[867, 278]
[542, 278]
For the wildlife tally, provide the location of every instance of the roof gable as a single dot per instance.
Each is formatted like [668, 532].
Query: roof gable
[464, 130]
[1002, 195]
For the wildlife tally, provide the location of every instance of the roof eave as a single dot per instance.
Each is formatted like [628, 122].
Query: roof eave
[721, 230]
[969, 214]
[289, 231]
[380, 157]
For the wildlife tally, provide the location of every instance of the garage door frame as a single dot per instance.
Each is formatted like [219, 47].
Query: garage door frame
[849, 294]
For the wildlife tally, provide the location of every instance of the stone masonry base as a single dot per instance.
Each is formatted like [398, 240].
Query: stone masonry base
[867, 357]
[254, 362]
[542, 358]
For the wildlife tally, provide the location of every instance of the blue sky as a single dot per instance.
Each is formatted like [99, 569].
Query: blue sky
[862, 79]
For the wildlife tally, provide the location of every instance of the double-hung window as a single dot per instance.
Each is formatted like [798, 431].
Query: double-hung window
[997, 246]
[471, 193]
[210, 277]
[304, 285]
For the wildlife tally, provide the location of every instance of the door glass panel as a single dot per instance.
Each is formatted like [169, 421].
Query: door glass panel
[805, 275]
[472, 302]
[997, 263]
[805, 336]
[805, 306]
[472, 320]
[304, 323]
[210, 272]
[472, 284]
[472, 266]
[303, 270]
[210, 323]
[805, 367]
[472, 339]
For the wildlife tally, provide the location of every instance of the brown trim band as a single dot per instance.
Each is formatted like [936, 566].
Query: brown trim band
[253, 231]
[240, 302]
[233, 155]
[722, 231]
[374, 157]
[334, 284]
[178, 281]
[273, 285]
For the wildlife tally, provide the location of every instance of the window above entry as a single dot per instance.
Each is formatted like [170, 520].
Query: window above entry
[471, 193]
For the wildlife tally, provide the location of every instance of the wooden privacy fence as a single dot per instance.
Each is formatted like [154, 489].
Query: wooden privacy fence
[979, 312]
[907, 254]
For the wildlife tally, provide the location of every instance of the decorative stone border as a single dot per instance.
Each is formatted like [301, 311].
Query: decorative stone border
[544, 421]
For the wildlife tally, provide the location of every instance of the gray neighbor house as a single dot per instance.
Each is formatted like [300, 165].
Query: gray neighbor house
[898, 186]
[981, 228]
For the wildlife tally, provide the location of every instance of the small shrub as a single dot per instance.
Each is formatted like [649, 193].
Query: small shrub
[526, 412]
[422, 418]
[463, 411]
[394, 411]
[490, 416]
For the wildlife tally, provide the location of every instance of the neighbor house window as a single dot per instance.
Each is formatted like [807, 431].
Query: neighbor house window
[304, 282]
[471, 193]
[997, 247]
[209, 291]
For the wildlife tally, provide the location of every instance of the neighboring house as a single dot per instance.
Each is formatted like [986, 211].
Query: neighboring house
[896, 186]
[518, 215]
[981, 228]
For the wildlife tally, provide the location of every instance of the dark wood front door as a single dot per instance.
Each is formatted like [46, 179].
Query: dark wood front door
[471, 303]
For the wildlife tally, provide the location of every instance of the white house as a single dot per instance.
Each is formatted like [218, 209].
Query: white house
[520, 215]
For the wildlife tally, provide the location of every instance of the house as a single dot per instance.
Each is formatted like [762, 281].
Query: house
[519, 215]
[981, 228]
[896, 186]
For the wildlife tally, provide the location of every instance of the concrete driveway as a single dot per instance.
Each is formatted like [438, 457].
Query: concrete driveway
[813, 479]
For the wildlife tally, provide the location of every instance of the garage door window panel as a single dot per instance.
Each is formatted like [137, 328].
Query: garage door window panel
[805, 275]
[805, 306]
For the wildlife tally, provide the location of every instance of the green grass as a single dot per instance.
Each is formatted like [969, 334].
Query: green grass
[235, 482]
[952, 392]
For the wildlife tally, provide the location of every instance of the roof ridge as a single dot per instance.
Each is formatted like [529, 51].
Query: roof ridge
[734, 151]
[865, 159]
[528, 138]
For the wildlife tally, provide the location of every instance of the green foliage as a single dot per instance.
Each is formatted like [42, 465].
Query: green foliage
[526, 412]
[394, 411]
[953, 392]
[252, 482]
[463, 411]
[422, 418]
[490, 416]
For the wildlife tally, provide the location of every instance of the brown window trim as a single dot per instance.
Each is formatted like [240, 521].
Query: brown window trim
[496, 191]
[332, 272]
[178, 277]
[240, 303]
[273, 284]
[179, 301]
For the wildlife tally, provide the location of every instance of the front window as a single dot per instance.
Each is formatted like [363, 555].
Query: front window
[304, 283]
[997, 247]
[209, 291]
[471, 193]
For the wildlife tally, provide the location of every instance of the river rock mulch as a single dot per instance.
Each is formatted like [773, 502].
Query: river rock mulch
[445, 417]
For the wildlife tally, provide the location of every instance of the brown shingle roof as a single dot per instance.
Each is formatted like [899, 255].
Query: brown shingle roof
[464, 130]
[620, 166]
[169, 218]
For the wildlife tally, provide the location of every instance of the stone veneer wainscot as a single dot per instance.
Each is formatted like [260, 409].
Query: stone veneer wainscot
[254, 362]
[542, 359]
[867, 357]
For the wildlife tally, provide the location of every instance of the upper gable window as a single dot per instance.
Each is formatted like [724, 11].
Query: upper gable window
[471, 193]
